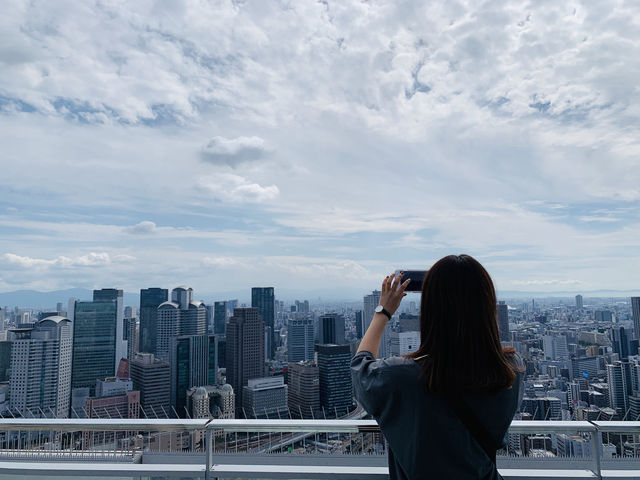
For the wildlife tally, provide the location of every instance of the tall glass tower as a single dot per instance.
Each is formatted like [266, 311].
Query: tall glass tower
[503, 321]
[331, 329]
[244, 349]
[300, 341]
[219, 317]
[635, 313]
[335, 378]
[263, 298]
[150, 299]
[94, 343]
[190, 360]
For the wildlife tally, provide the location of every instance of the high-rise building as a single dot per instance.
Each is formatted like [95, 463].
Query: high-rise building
[300, 341]
[221, 348]
[40, 379]
[265, 398]
[409, 322]
[371, 301]
[335, 378]
[331, 329]
[619, 381]
[603, 316]
[542, 408]
[635, 314]
[555, 347]
[385, 342]
[304, 389]
[635, 375]
[190, 357]
[116, 296]
[219, 317]
[131, 335]
[403, 343]
[5, 360]
[152, 377]
[115, 398]
[503, 321]
[150, 300]
[263, 298]
[579, 302]
[584, 367]
[95, 329]
[245, 349]
[620, 342]
[358, 320]
[302, 306]
[180, 316]
[231, 306]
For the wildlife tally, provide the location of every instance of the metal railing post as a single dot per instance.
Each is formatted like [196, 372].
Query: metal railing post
[596, 442]
[209, 454]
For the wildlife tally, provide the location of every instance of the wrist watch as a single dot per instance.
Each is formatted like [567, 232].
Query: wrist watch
[381, 309]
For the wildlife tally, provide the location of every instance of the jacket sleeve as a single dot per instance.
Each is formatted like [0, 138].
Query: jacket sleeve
[371, 382]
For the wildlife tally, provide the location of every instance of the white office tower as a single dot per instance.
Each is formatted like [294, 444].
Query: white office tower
[300, 344]
[265, 398]
[370, 303]
[619, 381]
[404, 342]
[180, 316]
[41, 368]
[555, 347]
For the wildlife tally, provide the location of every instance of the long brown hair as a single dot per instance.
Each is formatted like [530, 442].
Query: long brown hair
[459, 337]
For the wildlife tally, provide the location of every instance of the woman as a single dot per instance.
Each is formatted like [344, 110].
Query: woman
[446, 408]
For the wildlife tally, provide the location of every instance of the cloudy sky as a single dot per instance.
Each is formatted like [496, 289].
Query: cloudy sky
[318, 145]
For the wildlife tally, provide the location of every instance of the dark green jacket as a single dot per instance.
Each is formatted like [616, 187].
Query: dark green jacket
[426, 439]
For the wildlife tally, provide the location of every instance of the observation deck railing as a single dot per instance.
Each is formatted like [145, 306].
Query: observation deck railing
[36, 447]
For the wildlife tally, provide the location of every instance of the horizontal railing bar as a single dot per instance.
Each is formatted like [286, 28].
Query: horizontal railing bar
[550, 426]
[311, 426]
[618, 427]
[109, 425]
[276, 426]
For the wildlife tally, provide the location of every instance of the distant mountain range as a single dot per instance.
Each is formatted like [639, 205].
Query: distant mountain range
[48, 300]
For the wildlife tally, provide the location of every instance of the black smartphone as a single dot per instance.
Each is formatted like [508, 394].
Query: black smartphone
[416, 277]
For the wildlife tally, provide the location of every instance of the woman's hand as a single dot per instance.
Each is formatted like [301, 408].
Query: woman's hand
[392, 292]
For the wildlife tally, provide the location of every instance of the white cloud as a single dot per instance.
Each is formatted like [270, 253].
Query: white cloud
[89, 260]
[144, 227]
[221, 262]
[234, 151]
[232, 188]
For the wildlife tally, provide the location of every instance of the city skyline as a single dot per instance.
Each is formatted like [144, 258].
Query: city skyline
[291, 145]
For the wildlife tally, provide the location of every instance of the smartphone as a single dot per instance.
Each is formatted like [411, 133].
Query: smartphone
[416, 277]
